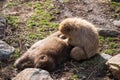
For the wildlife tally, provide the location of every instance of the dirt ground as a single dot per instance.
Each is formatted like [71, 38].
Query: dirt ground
[100, 12]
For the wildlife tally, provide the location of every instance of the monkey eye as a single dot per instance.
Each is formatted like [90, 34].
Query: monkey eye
[43, 57]
[63, 37]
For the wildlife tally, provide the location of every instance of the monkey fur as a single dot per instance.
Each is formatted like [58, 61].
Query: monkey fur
[46, 53]
[82, 35]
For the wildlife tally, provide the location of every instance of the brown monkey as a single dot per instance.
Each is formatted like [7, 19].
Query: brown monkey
[47, 53]
[82, 35]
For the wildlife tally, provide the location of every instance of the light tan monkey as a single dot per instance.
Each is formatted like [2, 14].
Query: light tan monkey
[82, 35]
[47, 53]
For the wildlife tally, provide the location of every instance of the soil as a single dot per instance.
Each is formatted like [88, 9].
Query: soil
[99, 12]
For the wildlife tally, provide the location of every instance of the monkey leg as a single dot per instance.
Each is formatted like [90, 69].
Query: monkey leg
[78, 54]
[18, 63]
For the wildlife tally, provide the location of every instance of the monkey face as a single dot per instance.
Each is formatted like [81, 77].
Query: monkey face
[68, 31]
[62, 37]
[44, 62]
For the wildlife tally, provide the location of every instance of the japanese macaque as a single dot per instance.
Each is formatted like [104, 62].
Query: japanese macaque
[82, 35]
[47, 53]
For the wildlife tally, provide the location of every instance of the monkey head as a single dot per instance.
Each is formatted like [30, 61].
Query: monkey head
[44, 61]
[68, 26]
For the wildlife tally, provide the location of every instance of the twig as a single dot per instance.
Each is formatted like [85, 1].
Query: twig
[75, 67]
[90, 75]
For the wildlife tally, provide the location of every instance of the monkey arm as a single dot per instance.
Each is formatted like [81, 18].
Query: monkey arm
[18, 63]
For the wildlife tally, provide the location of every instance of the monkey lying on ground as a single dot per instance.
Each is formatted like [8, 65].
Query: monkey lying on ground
[82, 35]
[46, 53]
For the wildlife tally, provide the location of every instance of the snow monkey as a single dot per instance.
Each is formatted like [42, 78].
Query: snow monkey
[82, 35]
[47, 53]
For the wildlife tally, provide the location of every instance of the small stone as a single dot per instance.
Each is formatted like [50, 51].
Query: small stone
[106, 32]
[117, 23]
[114, 66]
[105, 56]
[33, 74]
[5, 50]
[27, 46]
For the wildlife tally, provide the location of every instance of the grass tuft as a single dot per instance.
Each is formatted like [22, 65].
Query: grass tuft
[12, 20]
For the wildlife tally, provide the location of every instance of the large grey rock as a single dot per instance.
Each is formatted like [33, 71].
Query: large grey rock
[107, 32]
[114, 66]
[33, 74]
[3, 26]
[5, 50]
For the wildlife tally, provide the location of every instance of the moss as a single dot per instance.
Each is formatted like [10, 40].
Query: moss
[65, 0]
[12, 20]
[115, 4]
[101, 39]
[12, 3]
[113, 45]
[36, 36]
[42, 18]
[110, 51]
[16, 53]
[109, 45]
[116, 9]
[31, 23]
[75, 77]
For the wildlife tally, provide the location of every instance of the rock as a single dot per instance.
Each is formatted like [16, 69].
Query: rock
[106, 32]
[105, 56]
[3, 25]
[33, 74]
[114, 66]
[5, 50]
[102, 59]
[117, 23]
